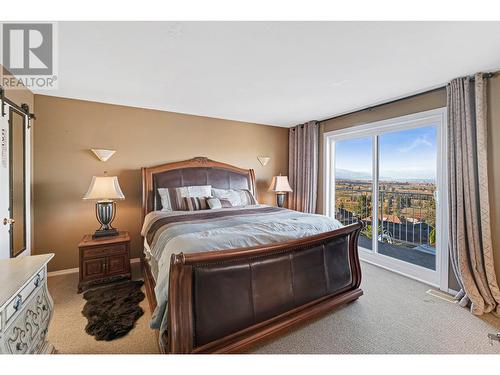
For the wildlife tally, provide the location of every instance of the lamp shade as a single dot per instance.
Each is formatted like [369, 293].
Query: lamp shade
[280, 184]
[102, 188]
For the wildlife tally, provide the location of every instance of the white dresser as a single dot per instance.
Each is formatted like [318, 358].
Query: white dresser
[25, 305]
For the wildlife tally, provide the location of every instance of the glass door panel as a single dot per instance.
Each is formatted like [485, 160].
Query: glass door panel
[18, 183]
[406, 196]
[353, 184]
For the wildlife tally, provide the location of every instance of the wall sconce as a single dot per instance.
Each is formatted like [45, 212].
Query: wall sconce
[263, 160]
[102, 155]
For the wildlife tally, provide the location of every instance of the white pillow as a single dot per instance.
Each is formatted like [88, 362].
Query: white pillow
[172, 199]
[214, 203]
[231, 195]
[199, 191]
[237, 198]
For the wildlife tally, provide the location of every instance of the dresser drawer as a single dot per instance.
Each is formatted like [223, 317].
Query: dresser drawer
[27, 332]
[105, 251]
[18, 302]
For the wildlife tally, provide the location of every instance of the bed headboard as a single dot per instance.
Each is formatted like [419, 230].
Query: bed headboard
[196, 171]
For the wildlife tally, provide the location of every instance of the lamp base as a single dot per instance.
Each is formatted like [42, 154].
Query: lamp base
[280, 199]
[105, 233]
[105, 213]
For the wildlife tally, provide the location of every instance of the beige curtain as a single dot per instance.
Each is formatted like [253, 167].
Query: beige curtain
[303, 166]
[470, 231]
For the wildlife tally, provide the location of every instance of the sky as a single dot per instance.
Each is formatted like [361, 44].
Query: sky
[408, 154]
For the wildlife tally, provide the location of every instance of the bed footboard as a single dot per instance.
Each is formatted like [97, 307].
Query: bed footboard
[225, 301]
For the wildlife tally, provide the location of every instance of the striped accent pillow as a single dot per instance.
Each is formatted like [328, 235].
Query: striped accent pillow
[196, 203]
[170, 199]
[225, 203]
[214, 203]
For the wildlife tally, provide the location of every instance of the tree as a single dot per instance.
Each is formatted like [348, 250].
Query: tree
[363, 206]
[430, 212]
[432, 237]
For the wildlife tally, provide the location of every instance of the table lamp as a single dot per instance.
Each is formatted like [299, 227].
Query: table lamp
[280, 186]
[104, 190]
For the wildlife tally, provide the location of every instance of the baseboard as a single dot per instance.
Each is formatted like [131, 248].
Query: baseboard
[442, 295]
[62, 272]
[75, 270]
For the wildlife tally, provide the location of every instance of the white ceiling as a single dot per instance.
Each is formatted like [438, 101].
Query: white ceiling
[275, 73]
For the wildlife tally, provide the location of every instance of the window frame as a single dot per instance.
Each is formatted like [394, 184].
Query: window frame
[439, 277]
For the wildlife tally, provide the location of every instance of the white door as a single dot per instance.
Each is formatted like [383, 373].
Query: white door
[392, 175]
[15, 182]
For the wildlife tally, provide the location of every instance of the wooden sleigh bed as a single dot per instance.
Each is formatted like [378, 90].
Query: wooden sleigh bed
[228, 300]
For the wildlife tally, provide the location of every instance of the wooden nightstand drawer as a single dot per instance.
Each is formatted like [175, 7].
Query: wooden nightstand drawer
[108, 250]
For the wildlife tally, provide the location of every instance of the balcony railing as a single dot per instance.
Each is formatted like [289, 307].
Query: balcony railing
[404, 218]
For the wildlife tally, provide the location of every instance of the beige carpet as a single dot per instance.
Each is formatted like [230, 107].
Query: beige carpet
[67, 329]
[394, 316]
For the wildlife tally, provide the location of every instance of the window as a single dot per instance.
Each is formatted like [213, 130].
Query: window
[391, 175]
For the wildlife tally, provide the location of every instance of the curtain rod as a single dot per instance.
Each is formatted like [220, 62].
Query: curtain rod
[485, 75]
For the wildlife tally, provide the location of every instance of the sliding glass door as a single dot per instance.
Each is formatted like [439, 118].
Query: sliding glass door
[353, 183]
[406, 200]
[391, 176]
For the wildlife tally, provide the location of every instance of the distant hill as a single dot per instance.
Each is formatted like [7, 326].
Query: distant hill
[345, 174]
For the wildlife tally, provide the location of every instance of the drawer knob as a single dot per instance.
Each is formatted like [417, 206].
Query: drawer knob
[37, 280]
[18, 302]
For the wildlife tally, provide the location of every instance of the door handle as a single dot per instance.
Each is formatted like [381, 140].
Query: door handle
[8, 221]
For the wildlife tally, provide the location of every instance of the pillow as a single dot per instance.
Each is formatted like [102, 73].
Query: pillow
[247, 197]
[237, 198]
[214, 203]
[172, 198]
[195, 203]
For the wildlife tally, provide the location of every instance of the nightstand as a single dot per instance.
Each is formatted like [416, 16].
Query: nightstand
[103, 260]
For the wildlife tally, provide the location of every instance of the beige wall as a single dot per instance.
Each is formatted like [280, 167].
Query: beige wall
[20, 96]
[424, 102]
[65, 131]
